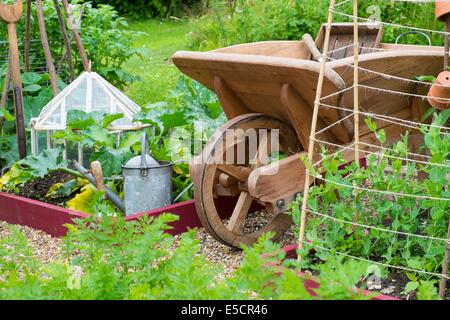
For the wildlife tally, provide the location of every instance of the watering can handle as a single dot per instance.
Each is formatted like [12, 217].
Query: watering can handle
[144, 150]
[423, 34]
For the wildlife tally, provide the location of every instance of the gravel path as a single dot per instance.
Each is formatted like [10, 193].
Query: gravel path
[230, 258]
[45, 247]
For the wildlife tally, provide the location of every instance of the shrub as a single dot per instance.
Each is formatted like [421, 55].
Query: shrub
[140, 9]
[107, 43]
[242, 21]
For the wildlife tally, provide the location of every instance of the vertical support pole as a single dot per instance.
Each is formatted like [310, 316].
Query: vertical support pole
[312, 137]
[27, 37]
[76, 35]
[447, 41]
[443, 282]
[356, 93]
[66, 39]
[356, 79]
[46, 47]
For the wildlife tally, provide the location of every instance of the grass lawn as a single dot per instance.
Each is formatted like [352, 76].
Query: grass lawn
[158, 74]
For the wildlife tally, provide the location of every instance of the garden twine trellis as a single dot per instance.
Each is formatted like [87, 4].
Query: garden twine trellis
[358, 147]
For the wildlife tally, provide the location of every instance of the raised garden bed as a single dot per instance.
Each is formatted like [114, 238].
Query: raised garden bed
[51, 219]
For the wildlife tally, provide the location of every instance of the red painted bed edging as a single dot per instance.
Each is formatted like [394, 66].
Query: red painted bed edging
[51, 219]
[291, 253]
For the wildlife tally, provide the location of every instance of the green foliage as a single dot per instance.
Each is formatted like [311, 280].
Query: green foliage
[90, 130]
[107, 41]
[32, 167]
[183, 124]
[244, 21]
[115, 259]
[143, 9]
[109, 44]
[227, 23]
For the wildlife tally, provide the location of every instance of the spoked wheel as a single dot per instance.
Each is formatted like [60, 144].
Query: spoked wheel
[223, 169]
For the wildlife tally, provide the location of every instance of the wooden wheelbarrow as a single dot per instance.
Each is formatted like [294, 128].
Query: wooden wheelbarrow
[268, 90]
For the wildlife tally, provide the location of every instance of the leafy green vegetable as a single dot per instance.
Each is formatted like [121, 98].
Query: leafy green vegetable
[32, 167]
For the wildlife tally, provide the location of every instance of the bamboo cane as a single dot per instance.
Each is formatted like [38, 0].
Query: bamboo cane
[312, 137]
[356, 79]
[27, 37]
[66, 39]
[443, 282]
[447, 42]
[76, 35]
[46, 47]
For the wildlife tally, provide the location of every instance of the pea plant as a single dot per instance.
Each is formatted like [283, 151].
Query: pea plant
[347, 216]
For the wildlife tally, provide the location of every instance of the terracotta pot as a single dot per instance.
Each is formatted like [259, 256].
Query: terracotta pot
[442, 9]
[440, 91]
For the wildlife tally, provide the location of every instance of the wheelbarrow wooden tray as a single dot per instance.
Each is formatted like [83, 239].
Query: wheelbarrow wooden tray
[254, 84]
[253, 76]
[273, 85]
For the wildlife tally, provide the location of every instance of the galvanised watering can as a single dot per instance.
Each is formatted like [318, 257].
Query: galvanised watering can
[147, 182]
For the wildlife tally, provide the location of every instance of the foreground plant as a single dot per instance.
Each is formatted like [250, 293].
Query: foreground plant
[412, 201]
[114, 259]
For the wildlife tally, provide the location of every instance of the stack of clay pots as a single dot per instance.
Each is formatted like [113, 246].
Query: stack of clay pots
[439, 94]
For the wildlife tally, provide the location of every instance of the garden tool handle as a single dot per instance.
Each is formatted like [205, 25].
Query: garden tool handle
[144, 151]
[17, 89]
[312, 47]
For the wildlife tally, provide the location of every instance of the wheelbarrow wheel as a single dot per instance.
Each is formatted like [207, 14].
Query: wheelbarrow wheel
[222, 170]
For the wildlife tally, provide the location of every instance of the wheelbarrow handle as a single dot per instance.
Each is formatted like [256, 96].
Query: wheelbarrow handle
[308, 40]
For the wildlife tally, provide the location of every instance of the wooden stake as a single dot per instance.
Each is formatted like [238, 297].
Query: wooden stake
[27, 37]
[447, 42]
[11, 14]
[66, 39]
[76, 35]
[443, 282]
[46, 47]
[356, 79]
[5, 90]
[314, 126]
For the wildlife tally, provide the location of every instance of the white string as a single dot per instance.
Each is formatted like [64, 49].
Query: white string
[388, 76]
[392, 193]
[388, 155]
[332, 155]
[393, 120]
[310, 243]
[410, 153]
[375, 228]
[401, 93]
[392, 24]
[337, 93]
[341, 3]
[334, 124]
